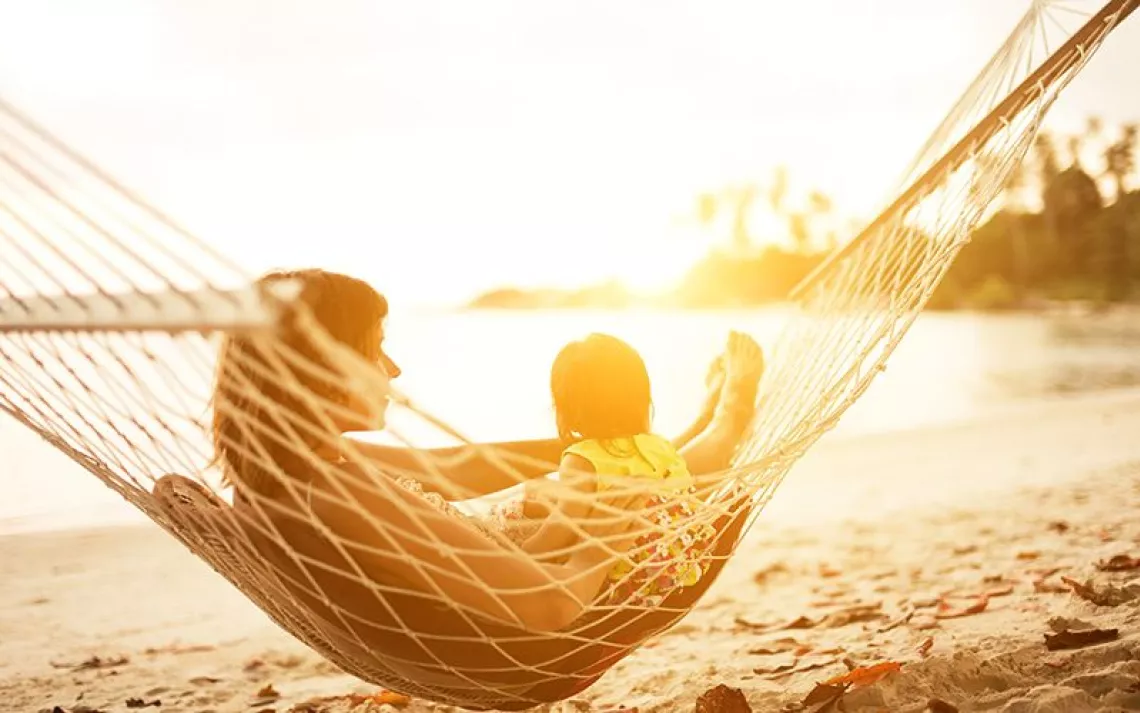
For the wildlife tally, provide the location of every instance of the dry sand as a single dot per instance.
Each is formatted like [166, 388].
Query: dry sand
[874, 570]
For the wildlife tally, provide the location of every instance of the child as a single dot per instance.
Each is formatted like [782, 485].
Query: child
[602, 404]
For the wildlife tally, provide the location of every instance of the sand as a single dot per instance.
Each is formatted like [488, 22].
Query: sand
[980, 520]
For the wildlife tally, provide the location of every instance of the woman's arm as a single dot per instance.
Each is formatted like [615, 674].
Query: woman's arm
[467, 472]
[555, 534]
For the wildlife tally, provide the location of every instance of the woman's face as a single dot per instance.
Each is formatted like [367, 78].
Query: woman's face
[371, 407]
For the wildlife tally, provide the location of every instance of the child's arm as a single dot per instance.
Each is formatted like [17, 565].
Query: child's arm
[556, 533]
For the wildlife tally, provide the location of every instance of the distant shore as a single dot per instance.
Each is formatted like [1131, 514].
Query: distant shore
[612, 296]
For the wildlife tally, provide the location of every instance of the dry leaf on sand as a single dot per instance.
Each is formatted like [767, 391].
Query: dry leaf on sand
[1079, 639]
[776, 664]
[824, 693]
[1119, 563]
[924, 648]
[723, 699]
[946, 611]
[1104, 595]
[867, 675]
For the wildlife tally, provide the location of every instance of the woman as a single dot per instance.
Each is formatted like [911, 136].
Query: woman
[428, 599]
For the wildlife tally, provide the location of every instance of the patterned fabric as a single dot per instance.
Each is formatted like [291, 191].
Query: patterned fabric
[673, 555]
[659, 562]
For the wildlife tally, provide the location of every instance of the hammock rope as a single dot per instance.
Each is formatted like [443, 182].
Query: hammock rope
[112, 319]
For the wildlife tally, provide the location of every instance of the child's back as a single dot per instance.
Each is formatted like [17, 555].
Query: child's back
[603, 405]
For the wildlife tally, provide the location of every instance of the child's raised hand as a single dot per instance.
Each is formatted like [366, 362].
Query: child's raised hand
[744, 359]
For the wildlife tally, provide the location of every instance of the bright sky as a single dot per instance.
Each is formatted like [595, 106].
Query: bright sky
[440, 147]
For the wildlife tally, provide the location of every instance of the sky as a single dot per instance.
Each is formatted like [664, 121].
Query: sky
[442, 147]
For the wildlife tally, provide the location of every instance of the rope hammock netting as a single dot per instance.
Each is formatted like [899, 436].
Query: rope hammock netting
[171, 375]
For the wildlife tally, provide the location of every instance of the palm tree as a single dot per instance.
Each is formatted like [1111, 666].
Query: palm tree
[1045, 152]
[820, 208]
[1074, 144]
[800, 231]
[1048, 168]
[744, 196]
[1093, 127]
[1014, 187]
[778, 191]
[738, 200]
[1120, 161]
[1120, 158]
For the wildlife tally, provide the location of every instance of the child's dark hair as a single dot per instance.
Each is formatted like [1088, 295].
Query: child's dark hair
[601, 390]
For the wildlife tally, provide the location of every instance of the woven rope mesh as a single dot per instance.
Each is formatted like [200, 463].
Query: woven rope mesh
[123, 338]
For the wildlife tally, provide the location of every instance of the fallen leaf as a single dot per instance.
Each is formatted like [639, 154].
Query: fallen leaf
[1079, 639]
[867, 675]
[853, 615]
[937, 705]
[828, 572]
[745, 624]
[809, 663]
[1119, 563]
[945, 611]
[179, 649]
[1028, 555]
[1041, 586]
[93, 663]
[1059, 526]
[903, 618]
[925, 646]
[383, 697]
[776, 646]
[801, 622]
[776, 664]
[824, 693]
[722, 699]
[267, 694]
[1105, 595]
[763, 575]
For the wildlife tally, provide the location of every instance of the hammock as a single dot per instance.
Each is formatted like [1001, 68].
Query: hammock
[110, 321]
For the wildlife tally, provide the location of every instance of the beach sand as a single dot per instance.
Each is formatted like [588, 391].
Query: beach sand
[897, 563]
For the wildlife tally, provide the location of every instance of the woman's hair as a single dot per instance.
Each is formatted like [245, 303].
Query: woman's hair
[601, 389]
[260, 400]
